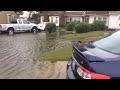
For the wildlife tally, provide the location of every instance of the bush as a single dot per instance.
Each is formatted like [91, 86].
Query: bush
[71, 26]
[98, 25]
[50, 27]
[82, 27]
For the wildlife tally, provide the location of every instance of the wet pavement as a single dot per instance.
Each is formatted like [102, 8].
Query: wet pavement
[18, 57]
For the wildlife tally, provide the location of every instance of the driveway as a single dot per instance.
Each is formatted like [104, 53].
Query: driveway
[18, 57]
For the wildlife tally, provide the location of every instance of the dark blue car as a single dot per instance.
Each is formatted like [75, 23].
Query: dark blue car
[95, 60]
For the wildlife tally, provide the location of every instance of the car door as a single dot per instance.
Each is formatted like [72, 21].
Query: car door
[20, 24]
[15, 25]
[26, 25]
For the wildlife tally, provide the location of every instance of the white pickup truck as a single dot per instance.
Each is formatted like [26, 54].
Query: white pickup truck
[18, 26]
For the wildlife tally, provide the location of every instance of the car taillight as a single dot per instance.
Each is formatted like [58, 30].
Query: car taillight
[86, 74]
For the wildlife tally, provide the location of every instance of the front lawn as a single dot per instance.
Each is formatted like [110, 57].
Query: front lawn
[60, 54]
[84, 36]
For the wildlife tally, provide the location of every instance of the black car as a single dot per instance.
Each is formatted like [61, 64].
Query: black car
[95, 60]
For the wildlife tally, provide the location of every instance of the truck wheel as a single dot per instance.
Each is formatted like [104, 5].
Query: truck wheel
[34, 30]
[10, 31]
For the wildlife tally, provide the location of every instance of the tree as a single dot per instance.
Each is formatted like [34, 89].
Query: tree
[19, 12]
[34, 16]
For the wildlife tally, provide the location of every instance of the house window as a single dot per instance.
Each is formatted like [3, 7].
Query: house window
[67, 19]
[87, 19]
[56, 20]
[70, 19]
[105, 20]
[9, 18]
[99, 18]
[14, 18]
[52, 19]
[94, 18]
[76, 18]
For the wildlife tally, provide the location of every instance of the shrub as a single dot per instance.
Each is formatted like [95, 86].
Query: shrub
[98, 25]
[82, 27]
[71, 26]
[50, 27]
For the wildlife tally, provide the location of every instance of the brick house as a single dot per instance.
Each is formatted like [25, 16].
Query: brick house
[64, 17]
[61, 18]
[7, 16]
[53, 16]
[110, 18]
[91, 16]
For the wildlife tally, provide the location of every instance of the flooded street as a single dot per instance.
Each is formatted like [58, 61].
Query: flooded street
[18, 57]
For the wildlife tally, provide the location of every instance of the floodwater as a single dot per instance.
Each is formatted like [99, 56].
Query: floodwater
[18, 56]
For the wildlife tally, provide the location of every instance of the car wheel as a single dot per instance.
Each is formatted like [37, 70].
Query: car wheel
[34, 30]
[10, 31]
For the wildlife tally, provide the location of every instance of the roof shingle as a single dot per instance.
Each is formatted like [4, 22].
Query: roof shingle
[97, 13]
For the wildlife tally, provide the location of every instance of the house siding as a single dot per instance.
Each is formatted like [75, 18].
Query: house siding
[113, 22]
[91, 19]
[111, 17]
[4, 17]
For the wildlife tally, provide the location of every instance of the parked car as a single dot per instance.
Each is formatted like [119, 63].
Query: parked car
[95, 60]
[42, 26]
[18, 25]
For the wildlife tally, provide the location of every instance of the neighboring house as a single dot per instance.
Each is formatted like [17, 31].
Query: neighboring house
[74, 16]
[114, 20]
[56, 17]
[61, 18]
[7, 16]
[91, 16]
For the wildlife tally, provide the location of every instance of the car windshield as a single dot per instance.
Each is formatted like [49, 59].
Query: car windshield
[110, 43]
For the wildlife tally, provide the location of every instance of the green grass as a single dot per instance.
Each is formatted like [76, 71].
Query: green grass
[63, 54]
[84, 36]
[60, 54]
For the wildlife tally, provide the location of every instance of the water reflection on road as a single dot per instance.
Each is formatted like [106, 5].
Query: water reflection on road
[18, 55]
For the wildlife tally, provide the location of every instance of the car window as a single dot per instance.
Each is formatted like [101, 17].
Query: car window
[110, 43]
[14, 22]
[25, 22]
[20, 22]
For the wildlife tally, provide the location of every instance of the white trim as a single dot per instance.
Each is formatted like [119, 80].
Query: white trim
[8, 16]
[73, 15]
[42, 19]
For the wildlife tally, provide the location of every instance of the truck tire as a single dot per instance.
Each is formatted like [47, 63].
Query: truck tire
[34, 30]
[10, 31]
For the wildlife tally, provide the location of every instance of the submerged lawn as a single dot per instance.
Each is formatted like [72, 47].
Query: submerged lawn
[60, 54]
[84, 36]
[64, 53]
